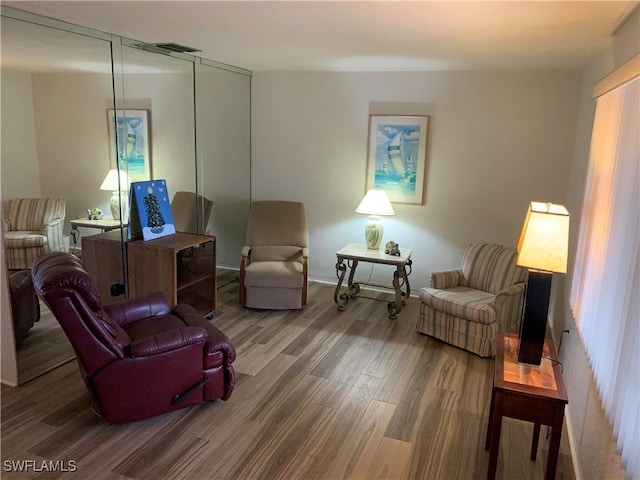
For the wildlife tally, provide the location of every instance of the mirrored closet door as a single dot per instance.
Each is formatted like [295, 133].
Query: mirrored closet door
[56, 89]
[223, 119]
[64, 87]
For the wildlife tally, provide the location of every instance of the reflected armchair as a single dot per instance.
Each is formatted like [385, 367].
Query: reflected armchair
[273, 266]
[188, 214]
[31, 228]
[468, 306]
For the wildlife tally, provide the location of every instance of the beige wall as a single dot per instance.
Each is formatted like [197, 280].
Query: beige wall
[71, 123]
[497, 141]
[19, 168]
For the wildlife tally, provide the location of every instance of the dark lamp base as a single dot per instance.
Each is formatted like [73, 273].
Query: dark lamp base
[534, 318]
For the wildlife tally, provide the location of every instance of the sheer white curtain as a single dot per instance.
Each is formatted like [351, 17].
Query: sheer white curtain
[605, 289]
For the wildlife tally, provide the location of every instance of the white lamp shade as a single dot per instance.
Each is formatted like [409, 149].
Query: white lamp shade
[544, 240]
[375, 202]
[110, 182]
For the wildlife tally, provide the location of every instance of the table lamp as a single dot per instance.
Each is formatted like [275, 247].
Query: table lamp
[542, 249]
[120, 196]
[375, 204]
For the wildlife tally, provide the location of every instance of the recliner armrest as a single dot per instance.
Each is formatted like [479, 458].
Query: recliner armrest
[446, 279]
[135, 309]
[245, 251]
[219, 342]
[6, 225]
[216, 342]
[168, 341]
[305, 252]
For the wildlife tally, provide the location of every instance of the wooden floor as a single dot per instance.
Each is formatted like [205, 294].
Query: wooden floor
[44, 348]
[320, 394]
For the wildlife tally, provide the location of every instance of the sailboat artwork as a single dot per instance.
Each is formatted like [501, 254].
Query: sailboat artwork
[129, 131]
[400, 143]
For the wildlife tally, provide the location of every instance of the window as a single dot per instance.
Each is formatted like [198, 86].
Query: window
[605, 289]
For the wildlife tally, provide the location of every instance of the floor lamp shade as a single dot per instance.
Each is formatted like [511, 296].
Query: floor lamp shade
[542, 248]
[375, 204]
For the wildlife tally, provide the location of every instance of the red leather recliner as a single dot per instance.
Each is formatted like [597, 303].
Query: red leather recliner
[140, 357]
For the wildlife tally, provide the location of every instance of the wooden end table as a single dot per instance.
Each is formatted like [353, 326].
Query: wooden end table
[357, 252]
[532, 393]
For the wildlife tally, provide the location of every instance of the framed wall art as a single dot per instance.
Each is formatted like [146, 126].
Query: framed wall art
[131, 143]
[397, 156]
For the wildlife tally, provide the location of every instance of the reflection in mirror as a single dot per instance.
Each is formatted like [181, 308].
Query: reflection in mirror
[60, 102]
[191, 212]
[224, 157]
[56, 87]
[159, 89]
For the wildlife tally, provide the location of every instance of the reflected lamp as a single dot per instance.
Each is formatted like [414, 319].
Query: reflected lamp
[118, 184]
[375, 203]
[542, 248]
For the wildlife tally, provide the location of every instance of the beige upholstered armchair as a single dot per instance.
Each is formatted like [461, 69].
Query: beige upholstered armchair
[190, 212]
[273, 267]
[466, 307]
[31, 228]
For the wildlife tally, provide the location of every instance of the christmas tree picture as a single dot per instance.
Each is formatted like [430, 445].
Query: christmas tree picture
[150, 210]
[154, 217]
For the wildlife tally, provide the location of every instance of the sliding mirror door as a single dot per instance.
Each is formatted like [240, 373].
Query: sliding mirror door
[156, 95]
[56, 89]
[64, 87]
[223, 103]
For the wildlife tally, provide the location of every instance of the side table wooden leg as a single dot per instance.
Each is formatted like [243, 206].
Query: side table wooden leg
[554, 444]
[496, 426]
[534, 441]
[488, 439]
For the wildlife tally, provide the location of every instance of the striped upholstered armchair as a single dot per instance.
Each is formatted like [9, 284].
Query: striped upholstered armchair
[31, 228]
[466, 307]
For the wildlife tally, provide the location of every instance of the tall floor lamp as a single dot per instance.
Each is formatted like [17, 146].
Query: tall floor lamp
[542, 249]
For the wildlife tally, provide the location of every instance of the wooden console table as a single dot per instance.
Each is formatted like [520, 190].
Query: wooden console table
[103, 260]
[182, 265]
[357, 252]
[532, 393]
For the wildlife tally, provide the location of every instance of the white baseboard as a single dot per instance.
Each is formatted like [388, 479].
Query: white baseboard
[572, 445]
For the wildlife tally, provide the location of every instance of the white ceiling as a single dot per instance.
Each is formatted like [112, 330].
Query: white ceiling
[360, 35]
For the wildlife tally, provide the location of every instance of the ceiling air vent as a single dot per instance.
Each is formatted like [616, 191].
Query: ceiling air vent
[175, 47]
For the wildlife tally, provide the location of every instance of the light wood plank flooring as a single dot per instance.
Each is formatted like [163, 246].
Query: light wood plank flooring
[320, 394]
[44, 348]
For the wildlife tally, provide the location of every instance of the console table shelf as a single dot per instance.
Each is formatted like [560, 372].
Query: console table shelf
[182, 265]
